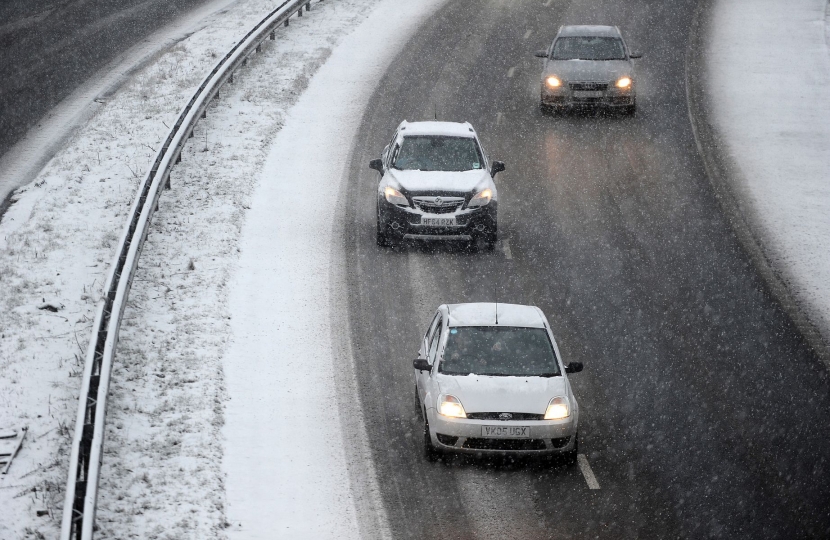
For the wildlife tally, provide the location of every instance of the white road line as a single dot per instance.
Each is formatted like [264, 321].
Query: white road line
[548, 3]
[498, 118]
[585, 467]
[510, 72]
[528, 33]
[505, 247]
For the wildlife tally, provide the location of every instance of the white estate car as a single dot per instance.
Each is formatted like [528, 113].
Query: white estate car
[490, 379]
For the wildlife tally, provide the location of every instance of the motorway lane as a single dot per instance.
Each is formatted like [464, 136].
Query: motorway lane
[49, 47]
[703, 413]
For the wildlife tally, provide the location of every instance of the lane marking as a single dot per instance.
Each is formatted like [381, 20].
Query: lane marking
[510, 72]
[585, 467]
[498, 118]
[528, 33]
[548, 3]
[505, 247]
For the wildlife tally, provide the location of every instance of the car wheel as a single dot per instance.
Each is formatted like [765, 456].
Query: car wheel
[485, 242]
[382, 235]
[430, 452]
[631, 110]
[570, 457]
[383, 239]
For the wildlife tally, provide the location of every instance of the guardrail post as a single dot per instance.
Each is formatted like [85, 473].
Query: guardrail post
[230, 79]
[308, 7]
[300, 13]
[273, 35]
[286, 22]
[245, 61]
[204, 113]
[259, 47]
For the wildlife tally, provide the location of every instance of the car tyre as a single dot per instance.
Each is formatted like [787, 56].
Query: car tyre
[630, 110]
[570, 457]
[383, 239]
[431, 453]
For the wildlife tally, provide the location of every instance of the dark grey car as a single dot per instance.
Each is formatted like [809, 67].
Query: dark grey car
[588, 66]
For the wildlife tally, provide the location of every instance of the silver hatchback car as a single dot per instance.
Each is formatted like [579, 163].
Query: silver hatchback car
[588, 66]
[490, 380]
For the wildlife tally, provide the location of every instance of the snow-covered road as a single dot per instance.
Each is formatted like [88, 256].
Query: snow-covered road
[297, 460]
[207, 323]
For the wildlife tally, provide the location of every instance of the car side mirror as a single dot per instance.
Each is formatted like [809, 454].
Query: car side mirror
[421, 364]
[573, 367]
[376, 164]
[635, 55]
[498, 166]
[541, 54]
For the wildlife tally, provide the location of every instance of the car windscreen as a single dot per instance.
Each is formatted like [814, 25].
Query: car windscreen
[438, 153]
[588, 48]
[499, 351]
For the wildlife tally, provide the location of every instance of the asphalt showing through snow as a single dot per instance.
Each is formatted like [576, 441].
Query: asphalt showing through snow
[703, 414]
[49, 47]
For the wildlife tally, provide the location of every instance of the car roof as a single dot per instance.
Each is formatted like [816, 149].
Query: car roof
[493, 314]
[589, 30]
[449, 129]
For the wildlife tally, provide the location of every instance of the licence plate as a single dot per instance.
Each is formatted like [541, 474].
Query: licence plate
[587, 93]
[507, 432]
[438, 221]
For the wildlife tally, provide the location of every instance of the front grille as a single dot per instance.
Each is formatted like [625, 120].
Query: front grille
[589, 86]
[504, 444]
[561, 442]
[436, 209]
[495, 416]
[449, 440]
[438, 204]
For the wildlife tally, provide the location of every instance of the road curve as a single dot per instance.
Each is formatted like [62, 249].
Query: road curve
[703, 413]
[49, 47]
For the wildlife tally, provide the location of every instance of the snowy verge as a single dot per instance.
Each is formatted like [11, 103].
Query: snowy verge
[25, 159]
[295, 467]
[162, 473]
[768, 90]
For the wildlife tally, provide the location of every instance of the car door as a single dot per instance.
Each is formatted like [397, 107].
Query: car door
[428, 351]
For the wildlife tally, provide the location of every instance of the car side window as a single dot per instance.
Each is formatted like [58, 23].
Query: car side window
[389, 147]
[484, 157]
[393, 155]
[432, 325]
[433, 345]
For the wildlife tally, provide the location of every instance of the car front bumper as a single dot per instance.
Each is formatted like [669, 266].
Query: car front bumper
[403, 222]
[565, 97]
[464, 435]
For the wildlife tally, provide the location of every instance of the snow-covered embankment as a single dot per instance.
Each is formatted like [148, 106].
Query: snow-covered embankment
[296, 466]
[768, 64]
[162, 475]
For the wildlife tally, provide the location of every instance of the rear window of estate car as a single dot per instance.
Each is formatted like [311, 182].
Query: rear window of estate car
[438, 153]
[499, 351]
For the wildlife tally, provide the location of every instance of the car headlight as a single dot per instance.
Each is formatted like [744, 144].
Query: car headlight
[481, 198]
[558, 408]
[624, 82]
[394, 196]
[553, 82]
[450, 406]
